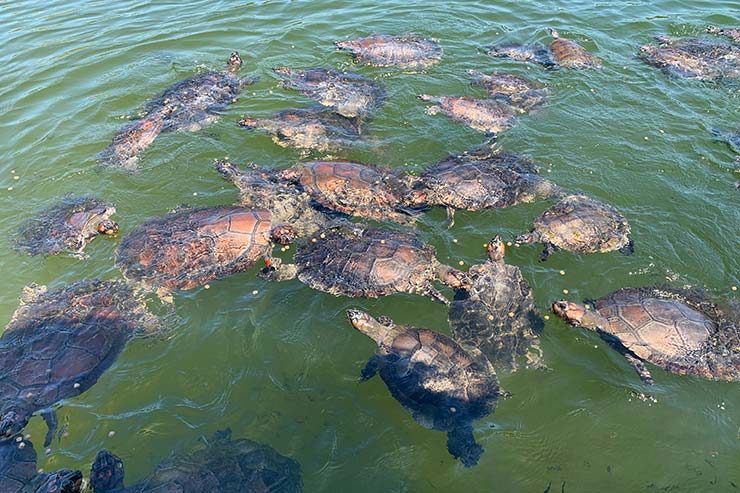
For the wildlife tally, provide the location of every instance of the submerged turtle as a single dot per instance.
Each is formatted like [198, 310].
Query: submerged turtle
[485, 178]
[516, 90]
[693, 58]
[486, 115]
[59, 343]
[443, 385]
[308, 129]
[190, 247]
[731, 32]
[679, 331]
[496, 313]
[407, 51]
[348, 260]
[732, 138]
[580, 224]
[355, 189]
[569, 54]
[347, 93]
[188, 105]
[66, 226]
[19, 473]
[536, 52]
[222, 466]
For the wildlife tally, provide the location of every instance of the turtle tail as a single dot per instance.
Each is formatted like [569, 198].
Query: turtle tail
[461, 445]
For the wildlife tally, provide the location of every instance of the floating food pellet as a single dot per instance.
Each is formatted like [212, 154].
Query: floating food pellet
[195, 194]
[508, 243]
[18, 439]
[111, 434]
[461, 262]
[287, 247]
[454, 240]
[282, 249]
[646, 138]
[47, 451]
[76, 385]
[28, 435]
[562, 272]
[22, 445]
[547, 317]
[313, 240]
[10, 189]
[382, 242]
[207, 286]
[324, 236]
[40, 470]
[16, 177]
[490, 317]
[565, 291]
[511, 314]
[12, 171]
[485, 245]
[734, 288]
[255, 292]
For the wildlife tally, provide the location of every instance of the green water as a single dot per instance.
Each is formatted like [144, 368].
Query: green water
[281, 366]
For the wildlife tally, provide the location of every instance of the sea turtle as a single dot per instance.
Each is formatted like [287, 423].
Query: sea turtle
[308, 129]
[680, 331]
[408, 51]
[516, 90]
[355, 189]
[485, 178]
[19, 474]
[486, 115]
[262, 188]
[569, 54]
[60, 342]
[732, 138]
[192, 246]
[66, 226]
[580, 224]
[444, 385]
[347, 93]
[222, 466]
[350, 260]
[731, 32]
[496, 313]
[188, 105]
[693, 58]
[536, 52]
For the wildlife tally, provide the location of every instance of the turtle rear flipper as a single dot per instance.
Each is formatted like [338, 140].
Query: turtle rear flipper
[461, 445]
[50, 417]
[640, 368]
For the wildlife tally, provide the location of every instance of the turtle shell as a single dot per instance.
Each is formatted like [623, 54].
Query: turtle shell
[191, 247]
[536, 52]
[663, 327]
[371, 263]
[354, 189]
[347, 93]
[693, 58]
[18, 473]
[308, 129]
[222, 466]
[485, 115]
[60, 342]
[408, 51]
[472, 182]
[132, 140]
[63, 227]
[584, 225]
[497, 315]
[569, 54]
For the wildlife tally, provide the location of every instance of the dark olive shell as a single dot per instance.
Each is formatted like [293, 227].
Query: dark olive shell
[18, 471]
[191, 247]
[408, 51]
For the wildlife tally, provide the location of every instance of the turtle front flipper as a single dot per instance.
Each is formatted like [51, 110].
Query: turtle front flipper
[371, 368]
[450, 217]
[640, 368]
[461, 445]
[547, 251]
[50, 417]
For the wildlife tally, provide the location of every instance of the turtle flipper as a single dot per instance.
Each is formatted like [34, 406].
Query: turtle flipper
[461, 445]
[50, 417]
[640, 368]
[370, 369]
[434, 294]
[547, 251]
[277, 271]
[450, 217]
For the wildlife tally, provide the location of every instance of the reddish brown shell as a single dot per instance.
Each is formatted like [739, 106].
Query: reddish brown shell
[485, 115]
[354, 189]
[375, 262]
[569, 54]
[191, 247]
[407, 51]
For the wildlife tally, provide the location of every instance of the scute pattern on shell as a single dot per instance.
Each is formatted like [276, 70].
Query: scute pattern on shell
[485, 115]
[679, 330]
[354, 189]
[17, 465]
[191, 247]
[371, 263]
[349, 94]
[408, 51]
[497, 315]
[57, 228]
[584, 225]
[693, 58]
[481, 181]
[569, 54]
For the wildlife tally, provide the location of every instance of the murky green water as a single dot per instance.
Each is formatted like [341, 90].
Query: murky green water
[281, 366]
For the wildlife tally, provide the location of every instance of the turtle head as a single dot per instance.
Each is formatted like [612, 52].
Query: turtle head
[648, 50]
[283, 234]
[554, 33]
[283, 71]
[369, 326]
[62, 481]
[579, 315]
[235, 62]
[12, 422]
[107, 227]
[496, 248]
[714, 30]
[106, 473]
[249, 122]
